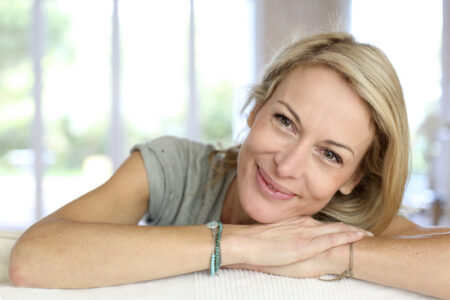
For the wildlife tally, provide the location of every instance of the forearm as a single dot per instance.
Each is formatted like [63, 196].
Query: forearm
[416, 263]
[64, 254]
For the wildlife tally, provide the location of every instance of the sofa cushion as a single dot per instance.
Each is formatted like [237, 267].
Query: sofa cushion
[7, 241]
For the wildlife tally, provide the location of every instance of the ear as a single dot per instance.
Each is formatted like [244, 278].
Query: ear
[348, 187]
[251, 118]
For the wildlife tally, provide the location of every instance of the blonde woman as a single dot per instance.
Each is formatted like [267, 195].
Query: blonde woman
[314, 189]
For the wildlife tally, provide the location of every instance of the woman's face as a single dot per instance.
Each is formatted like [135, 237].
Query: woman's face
[305, 143]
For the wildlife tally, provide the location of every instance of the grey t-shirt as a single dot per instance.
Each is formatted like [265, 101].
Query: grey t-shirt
[178, 172]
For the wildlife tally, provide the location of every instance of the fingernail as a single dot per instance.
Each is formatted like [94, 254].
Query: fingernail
[370, 233]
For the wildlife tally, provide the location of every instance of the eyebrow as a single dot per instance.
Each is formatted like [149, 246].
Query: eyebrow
[291, 111]
[329, 142]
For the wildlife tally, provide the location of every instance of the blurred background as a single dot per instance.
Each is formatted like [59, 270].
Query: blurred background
[81, 82]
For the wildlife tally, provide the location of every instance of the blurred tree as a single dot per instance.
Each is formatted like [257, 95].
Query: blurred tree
[16, 74]
[14, 28]
[15, 45]
[217, 112]
[72, 147]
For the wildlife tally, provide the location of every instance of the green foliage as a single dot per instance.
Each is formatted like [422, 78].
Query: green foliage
[17, 135]
[216, 113]
[70, 148]
[16, 36]
[418, 159]
[57, 26]
[15, 42]
[16, 70]
[15, 85]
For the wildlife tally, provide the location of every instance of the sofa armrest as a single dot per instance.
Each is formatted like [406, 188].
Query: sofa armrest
[7, 241]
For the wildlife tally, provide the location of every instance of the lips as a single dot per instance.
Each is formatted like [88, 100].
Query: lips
[270, 187]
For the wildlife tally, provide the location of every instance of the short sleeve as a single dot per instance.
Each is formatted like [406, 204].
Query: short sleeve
[178, 171]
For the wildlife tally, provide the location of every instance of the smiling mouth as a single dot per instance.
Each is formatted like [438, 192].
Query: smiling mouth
[271, 188]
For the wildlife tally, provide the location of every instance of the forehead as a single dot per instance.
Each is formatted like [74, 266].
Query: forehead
[327, 106]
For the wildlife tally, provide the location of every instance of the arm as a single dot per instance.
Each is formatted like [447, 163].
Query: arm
[94, 240]
[407, 256]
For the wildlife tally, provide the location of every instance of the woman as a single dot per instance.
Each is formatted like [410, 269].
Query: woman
[321, 172]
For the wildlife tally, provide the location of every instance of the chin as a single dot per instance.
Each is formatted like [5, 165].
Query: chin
[264, 215]
[268, 220]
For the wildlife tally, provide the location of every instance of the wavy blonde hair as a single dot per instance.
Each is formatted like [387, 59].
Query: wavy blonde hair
[376, 199]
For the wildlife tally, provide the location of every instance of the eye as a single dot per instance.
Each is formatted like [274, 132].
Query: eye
[332, 156]
[283, 120]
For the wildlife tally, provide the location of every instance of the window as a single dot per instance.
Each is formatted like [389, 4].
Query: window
[76, 99]
[409, 32]
[16, 114]
[164, 65]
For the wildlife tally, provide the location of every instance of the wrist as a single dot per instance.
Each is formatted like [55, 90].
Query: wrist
[232, 245]
[338, 260]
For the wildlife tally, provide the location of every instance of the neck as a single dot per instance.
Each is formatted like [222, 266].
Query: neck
[232, 211]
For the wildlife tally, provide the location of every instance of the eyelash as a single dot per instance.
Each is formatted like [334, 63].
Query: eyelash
[280, 116]
[336, 158]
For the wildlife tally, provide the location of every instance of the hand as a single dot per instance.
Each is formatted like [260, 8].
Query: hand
[287, 242]
[321, 264]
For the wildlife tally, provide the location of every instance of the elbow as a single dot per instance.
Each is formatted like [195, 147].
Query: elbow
[16, 276]
[19, 272]
[24, 266]
[32, 258]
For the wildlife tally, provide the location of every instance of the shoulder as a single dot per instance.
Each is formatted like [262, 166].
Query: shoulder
[174, 158]
[172, 144]
[402, 226]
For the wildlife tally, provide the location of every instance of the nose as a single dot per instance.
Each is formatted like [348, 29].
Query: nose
[292, 161]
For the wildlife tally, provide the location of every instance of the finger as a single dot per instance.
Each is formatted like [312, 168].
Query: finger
[308, 221]
[242, 266]
[295, 219]
[304, 220]
[328, 241]
[341, 227]
[235, 266]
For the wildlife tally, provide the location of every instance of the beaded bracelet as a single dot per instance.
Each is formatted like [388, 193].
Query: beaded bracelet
[216, 256]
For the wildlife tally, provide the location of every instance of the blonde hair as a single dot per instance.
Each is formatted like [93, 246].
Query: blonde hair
[376, 199]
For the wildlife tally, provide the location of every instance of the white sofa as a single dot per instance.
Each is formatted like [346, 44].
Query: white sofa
[229, 284]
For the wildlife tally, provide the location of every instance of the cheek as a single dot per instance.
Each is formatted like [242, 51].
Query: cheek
[263, 138]
[259, 135]
[254, 144]
[322, 186]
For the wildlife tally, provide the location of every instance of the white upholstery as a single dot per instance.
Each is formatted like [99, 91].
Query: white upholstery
[230, 284]
[7, 241]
